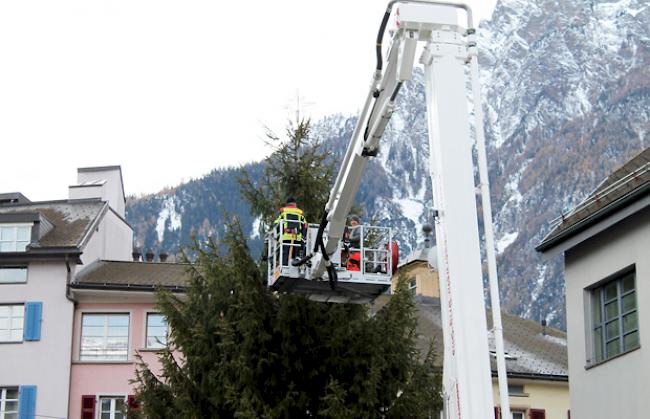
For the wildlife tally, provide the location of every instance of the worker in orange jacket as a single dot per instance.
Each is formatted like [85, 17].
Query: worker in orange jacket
[353, 243]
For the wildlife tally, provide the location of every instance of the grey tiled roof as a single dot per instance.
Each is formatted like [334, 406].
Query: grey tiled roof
[529, 352]
[71, 220]
[123, 274]
[625, 185]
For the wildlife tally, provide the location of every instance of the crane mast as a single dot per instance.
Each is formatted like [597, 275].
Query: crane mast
[448, 57]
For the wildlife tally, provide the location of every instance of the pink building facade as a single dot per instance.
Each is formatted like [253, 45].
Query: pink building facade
[115, 318]
[74, 307]
[106, 379]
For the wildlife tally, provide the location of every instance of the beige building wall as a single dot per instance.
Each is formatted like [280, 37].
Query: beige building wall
[426, 280]
[551, 396]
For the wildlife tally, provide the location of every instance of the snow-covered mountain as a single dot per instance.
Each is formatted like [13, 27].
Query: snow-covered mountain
[567, 98]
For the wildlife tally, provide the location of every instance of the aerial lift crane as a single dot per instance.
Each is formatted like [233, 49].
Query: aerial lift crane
[449, 57]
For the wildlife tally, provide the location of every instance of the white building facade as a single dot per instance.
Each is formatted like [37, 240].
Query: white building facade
[606, 246]
[42, 246]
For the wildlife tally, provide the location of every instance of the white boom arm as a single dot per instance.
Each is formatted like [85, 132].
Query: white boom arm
[449, 48]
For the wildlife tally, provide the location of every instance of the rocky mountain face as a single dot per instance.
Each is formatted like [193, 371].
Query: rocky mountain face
[567, 100]
[566, 95]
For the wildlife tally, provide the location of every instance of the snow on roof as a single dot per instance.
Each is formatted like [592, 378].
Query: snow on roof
[531, 349]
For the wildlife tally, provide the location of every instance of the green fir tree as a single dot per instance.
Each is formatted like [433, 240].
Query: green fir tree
[237, 350]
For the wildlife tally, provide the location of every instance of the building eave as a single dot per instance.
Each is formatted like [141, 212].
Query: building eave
[41, 255]
[536, 376]
[625, 206]
[124, 287]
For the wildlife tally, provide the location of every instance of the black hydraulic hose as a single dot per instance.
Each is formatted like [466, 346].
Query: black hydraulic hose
[384, 21]
[395, 92]
[372, 112]
[320, 244]
[302, 261]
[323, 251]
[380, 38]
[321, 230]
[332, 276]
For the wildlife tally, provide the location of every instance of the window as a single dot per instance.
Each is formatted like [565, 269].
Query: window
[156, 331]
[104, 337]
[8, 403]
[614, 317]
[516, 390]
[518, 415]
[15, 237]
[11, 323]
[111, 407]
[13, 274]
[413, 285]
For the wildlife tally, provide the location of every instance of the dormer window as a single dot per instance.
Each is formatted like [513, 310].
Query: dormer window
[15, 237]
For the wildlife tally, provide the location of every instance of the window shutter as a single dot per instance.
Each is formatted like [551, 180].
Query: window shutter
[132, 402]
[33, 314]
[497, 412]
[27, 402]
[537, 414]
[87, 407]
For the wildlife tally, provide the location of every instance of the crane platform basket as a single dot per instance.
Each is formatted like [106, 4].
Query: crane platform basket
[364, 266]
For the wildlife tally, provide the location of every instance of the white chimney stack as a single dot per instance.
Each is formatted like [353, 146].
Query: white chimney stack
[101, 182]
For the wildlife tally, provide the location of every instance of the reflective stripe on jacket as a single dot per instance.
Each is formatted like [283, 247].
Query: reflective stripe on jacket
[293, 223]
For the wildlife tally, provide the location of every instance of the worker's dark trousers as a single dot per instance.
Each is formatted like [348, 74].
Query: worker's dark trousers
[297, 252]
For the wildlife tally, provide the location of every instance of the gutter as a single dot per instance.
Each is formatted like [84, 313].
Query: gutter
[124, 287]
[68, 295]
[71, 253]
[68, 281]
[593, 218]
[536, 376]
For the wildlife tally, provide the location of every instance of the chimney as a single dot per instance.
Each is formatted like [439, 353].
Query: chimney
[137, 254]
[104, 183]
[149, 255]
[163, 256]
[427, 229]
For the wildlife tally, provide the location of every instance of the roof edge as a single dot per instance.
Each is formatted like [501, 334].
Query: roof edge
[535, 376]
[93, 225]
[48, 254]
[125, 287]
[594, 218]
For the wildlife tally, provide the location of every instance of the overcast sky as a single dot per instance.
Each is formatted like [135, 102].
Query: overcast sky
[169, 90]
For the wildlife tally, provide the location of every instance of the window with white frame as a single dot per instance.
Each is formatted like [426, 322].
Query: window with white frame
[112, 407]
[156, 331]
[13, 274]
[11, 322]
[15, 237]
[518, 415]
[614, 317]
[8, 403]
[104, 337]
